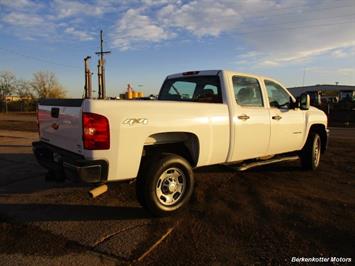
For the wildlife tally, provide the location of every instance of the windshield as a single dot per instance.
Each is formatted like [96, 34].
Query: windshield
[205, 89]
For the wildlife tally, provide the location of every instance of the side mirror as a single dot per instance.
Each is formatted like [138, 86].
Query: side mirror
[304, 101]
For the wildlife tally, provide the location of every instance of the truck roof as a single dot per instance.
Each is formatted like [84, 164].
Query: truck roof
[212, 73]
[195, 73]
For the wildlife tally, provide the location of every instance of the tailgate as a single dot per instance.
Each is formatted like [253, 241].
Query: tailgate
[60, 123]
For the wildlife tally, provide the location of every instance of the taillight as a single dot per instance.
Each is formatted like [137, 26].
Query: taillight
[190, 73]
[96, 132]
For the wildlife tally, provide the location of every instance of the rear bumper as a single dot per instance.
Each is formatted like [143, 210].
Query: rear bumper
[69, 164]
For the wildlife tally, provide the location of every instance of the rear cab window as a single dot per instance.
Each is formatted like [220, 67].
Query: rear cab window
[205, 89]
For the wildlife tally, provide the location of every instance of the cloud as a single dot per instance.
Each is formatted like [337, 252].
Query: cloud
[18, 4]
[277, 32]
[23, 19]
[30, 20]
[157, 21]
[339, 53]
[155, 2]
[274, 32]
[330, 71]
[135, 28]
[201, 18]
[27, 26]
[335, 50]
[347, 71]
[65, 8]
[81, 35]
[271, 32]
[297, 38]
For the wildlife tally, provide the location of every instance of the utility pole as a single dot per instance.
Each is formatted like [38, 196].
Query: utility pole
[99, 81]
[101, 69]
[88, 83]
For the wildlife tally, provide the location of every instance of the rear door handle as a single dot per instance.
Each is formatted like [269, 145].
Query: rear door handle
[243, 117]
[277, 117]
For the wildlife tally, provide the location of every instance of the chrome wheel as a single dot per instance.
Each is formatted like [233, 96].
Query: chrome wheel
[316, 151]
[170, 186]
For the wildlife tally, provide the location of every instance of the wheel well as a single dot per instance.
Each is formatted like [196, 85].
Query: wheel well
[320, 129]
[180, 143]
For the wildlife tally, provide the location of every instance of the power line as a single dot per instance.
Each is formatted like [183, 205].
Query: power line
[37, 58]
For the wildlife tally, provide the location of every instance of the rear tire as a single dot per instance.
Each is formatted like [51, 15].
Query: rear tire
[311, 152]
[165, 184]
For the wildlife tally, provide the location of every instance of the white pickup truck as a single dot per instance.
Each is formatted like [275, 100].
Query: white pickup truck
[200, 118]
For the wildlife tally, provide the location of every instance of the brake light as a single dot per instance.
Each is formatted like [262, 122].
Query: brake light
[96, 132]
[190, 73]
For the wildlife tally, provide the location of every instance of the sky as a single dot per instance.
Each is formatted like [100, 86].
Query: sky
[298, 42]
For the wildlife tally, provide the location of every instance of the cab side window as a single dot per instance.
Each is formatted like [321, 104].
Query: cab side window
[278, 97]
[247, 91]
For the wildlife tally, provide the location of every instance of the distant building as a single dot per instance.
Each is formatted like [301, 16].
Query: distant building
[16, 98]
[326, 93]
[324, 89]
[346, 94]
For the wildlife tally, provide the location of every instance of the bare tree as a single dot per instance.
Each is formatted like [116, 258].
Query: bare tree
[7, 86]
[24, 89]
[7, 83]
[46, 85]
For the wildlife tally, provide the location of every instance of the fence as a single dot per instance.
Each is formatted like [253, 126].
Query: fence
[19, 106]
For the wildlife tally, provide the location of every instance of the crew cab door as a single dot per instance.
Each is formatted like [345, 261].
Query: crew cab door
[251, 121]
[287, 124]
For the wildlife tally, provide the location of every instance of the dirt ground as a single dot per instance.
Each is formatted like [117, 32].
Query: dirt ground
[18, 121]
[263, 216]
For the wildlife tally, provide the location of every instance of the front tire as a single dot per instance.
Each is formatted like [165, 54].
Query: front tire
[311, 152]
[165, 184]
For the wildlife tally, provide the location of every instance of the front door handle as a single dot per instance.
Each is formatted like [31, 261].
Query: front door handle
[277, 117]
[243, 117]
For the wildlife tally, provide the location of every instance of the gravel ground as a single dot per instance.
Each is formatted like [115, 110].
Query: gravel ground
[18, 121]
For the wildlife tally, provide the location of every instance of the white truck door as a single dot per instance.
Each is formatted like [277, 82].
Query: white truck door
[287, 125]
[251, 121]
